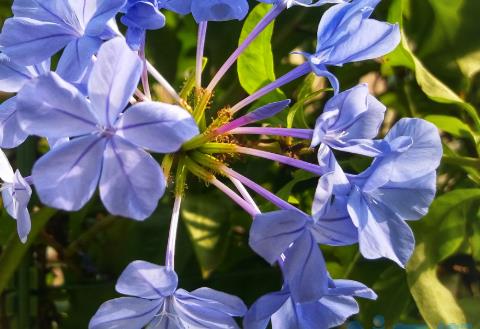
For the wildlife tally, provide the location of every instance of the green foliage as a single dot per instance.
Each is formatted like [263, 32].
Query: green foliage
[256, 65]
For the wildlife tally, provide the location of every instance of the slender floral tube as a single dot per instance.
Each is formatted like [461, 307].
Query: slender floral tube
[284, 132]
[269, 17]
[163, 82]
[243, 191]
[172, 235]
[294, 74]
[280, 203]
[145, 84]
[235, 197]
[202, 33]
[307, 166]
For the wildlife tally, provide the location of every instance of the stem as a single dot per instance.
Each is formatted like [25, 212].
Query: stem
[201, 106]
[284, 132]
[294, 74]
[167, 164]
[269, 17]
[212, 148]
[163, 82]
[462, 161]
[172, 235]
[202, 33]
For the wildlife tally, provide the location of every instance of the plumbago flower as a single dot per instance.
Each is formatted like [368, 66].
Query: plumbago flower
[40, 29]
[106, 145]
[16, 193]
[331, 310]
[103, 141]
[208, 10]
[346, 34]
[157, 303]
[141, 15]
[12, 79]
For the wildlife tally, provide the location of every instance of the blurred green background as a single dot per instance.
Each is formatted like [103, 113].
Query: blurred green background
[72, 260]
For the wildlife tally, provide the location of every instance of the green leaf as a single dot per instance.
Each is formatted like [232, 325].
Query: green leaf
[431, 86]
[439, 235]
[256, 65]
[451, 125]
[208, 228]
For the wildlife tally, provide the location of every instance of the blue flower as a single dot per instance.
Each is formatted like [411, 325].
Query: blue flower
[399, 186]
[209, 10]
[331, 310]
[141, 15]
[39, 29]
[157, 303]
[305, 3]
[107, 146]
[350, 121]
[346, 34]
[16, 193]
[12, 78]
[291, 238]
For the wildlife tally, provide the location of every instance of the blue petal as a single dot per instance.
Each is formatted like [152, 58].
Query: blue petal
[24, 224]
[273, 232]
[30, 41]
[334, 227]
[132, 181]
[372, 40]
[220, 301]
[159, 127]
[340, 21]
[16, 196]
[351, 115]
[182, 7]
[14, 76]
[258, 316]
[11, 135]
[113, 80]
[287, 317]
[198, 313]
[77, 59]
[219, 10]
[328, 312]
[66, 177]
[147, 280]
[144, 15]
[351, 288]
[409, 200]
[321, 70]
[304, 269]
[105, 11]
[125, 312]
[56, 11]
[422, 157]
[381, 232]
[135, 37]
[67, 114]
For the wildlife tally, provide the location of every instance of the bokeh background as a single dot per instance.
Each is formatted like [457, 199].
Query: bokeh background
[72, 260]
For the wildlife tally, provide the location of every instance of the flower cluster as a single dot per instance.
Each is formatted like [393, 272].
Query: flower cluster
[97, 113]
